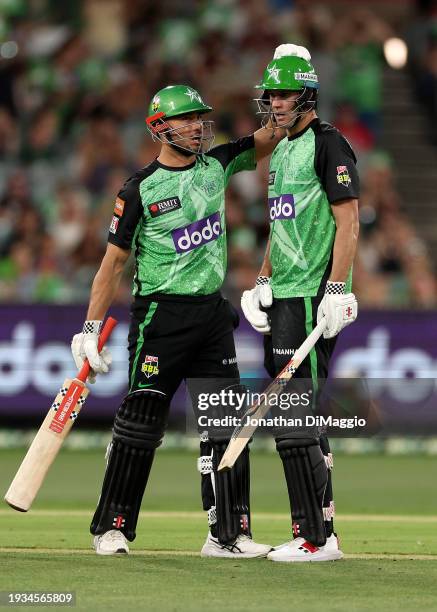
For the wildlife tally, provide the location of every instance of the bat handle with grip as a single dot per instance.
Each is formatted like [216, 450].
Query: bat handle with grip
[109, 325]
[309, 343]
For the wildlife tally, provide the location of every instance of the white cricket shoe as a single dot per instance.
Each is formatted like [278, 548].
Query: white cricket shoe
[299, 550]
[243, 548]
[112, 542]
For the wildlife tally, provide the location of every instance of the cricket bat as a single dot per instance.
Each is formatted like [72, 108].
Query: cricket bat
[52, 433]
[242, 433]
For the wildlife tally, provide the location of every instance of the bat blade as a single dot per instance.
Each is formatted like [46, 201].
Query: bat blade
[242, 433]
[52, 433]
[46, 444]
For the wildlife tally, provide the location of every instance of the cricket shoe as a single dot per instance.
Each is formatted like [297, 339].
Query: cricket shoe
[243, 548]
[299, 550]
[112, 542]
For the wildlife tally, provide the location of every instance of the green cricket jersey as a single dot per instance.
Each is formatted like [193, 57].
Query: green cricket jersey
[309, 172]
[174, 218]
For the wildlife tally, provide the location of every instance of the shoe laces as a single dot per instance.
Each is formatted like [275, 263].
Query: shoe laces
[231, 547]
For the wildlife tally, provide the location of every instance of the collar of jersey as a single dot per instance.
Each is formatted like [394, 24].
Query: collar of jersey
[176, 168]
[310, 124]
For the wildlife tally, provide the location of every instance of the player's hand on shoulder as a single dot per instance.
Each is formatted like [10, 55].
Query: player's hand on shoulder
[339, 308]
[253, 300]
[84, 346]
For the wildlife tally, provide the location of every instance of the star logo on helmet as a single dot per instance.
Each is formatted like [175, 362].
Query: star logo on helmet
[193, 95]
[274, 73]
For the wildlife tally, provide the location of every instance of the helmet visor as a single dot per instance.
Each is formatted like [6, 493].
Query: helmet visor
[196, 137]
[287, 116]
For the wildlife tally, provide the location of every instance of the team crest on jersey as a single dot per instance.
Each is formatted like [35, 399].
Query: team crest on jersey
[343, 177]
[119, 207]
[164, 206]
[209, 187]
[272, 177]
[150, 366]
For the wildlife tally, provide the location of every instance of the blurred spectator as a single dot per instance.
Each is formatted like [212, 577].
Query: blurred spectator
[99, 150]
[392, 264]
[70, 222]
[421, 36]
[9, 139]
[75, 83]
[358, 38]
[358, 134]
[42, 137]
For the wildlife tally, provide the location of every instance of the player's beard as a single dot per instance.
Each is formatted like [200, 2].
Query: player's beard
[183, 151]
[179, 147]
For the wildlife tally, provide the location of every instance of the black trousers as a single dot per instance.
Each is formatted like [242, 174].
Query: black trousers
[172, 338]
[292, 320]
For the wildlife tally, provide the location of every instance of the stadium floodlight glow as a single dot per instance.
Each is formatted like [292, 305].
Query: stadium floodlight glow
[395, 52]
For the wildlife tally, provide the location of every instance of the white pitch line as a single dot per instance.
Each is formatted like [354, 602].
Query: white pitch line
[258, 516]
[192, 553]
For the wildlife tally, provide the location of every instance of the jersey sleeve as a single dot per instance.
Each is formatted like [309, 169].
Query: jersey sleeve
[335, 165]
[236, 155]
[128, 211]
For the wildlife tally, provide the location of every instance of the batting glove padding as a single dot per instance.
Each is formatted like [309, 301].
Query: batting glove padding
[339, 308]
[252, 301]
[84, 346]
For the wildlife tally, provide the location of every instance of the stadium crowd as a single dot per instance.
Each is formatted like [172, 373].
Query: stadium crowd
[75, 81]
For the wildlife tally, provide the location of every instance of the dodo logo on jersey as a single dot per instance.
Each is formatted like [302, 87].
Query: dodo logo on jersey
[343, 177]
[282, 207]
[272, 175]
[197, 234]
[150, 366]
[164, 206]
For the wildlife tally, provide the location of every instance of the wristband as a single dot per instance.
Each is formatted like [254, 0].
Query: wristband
[334, 288]
[92, 327]
[263, 280]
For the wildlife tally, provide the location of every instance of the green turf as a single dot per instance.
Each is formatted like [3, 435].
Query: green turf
[188, 532]
[363, 484]
[387, 506]
[186, 583]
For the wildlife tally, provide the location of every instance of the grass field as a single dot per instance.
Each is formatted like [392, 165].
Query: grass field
[387, 521]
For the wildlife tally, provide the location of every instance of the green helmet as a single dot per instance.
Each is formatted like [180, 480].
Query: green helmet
[173, 101]
[176, 100]
[289, 72]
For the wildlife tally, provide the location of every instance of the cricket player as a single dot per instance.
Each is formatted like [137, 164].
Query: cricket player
[171, 213]
[313, 207]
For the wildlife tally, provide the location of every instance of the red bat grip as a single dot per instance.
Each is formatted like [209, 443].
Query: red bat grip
[109, 325]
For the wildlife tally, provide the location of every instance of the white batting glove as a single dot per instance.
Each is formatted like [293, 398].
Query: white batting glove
[252, 301]
[339, 308]
[84, 346]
